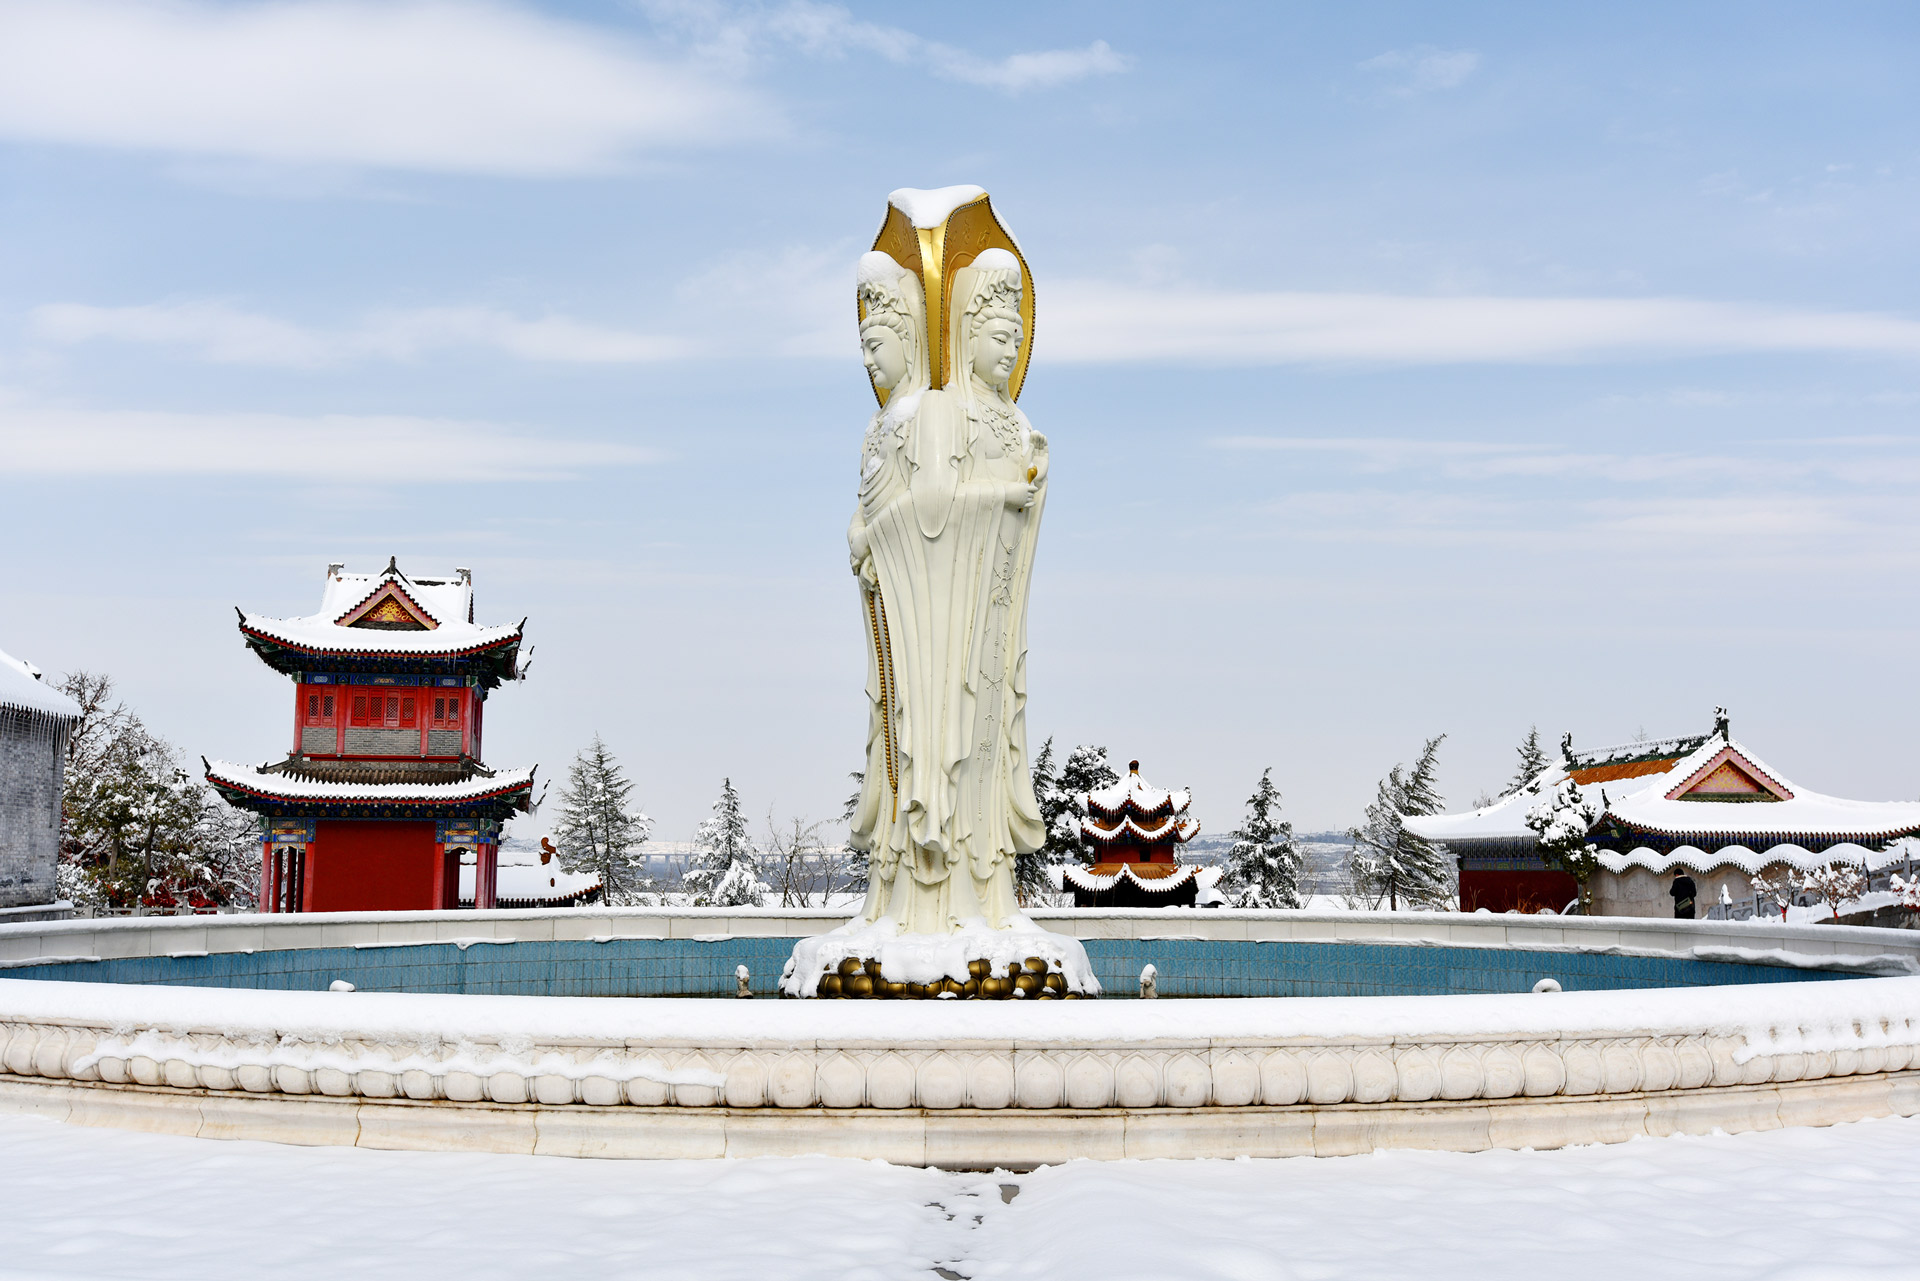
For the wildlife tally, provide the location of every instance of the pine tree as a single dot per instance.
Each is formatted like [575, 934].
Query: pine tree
[1533, 761]
[1389, 862]
[1030, 879]
[598, 832]
[1263, 867]
[1087, 770]
[724, 871]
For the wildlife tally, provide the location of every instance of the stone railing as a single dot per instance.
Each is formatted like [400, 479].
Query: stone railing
[1135, 1055]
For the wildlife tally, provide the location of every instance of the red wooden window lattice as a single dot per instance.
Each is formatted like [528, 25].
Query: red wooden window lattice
[391, 711]
[446, 711]
[319, 709]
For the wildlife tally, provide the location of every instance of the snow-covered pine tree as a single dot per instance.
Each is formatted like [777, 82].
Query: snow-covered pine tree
[1030, 879]
[1263, 866]
[1087, 770]
[1391, 864]
[1533, 760]
[1561, 821]
[724, 871]
[598, 831]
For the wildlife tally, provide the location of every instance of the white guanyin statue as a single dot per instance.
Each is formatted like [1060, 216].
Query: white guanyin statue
[952, 483]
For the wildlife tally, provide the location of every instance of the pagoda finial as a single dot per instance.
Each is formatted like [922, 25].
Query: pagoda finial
[393, 565]
[1133, 767]
[1722, 723]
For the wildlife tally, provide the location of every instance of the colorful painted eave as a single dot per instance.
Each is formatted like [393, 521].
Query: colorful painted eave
[251, 782]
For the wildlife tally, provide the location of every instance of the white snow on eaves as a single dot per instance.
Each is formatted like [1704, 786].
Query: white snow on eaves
[22, 688]
[252, 779]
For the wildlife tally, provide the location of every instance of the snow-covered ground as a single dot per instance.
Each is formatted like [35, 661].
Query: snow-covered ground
[1792, 1205]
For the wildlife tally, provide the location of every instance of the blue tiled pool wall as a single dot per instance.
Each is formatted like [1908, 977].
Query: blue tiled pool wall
[686, 967]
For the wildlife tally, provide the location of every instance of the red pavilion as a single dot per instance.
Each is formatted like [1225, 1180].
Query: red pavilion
[384, 786]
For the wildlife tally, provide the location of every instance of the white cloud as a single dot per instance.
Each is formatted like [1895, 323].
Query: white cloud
[224, 334]
[826, 30]
[1094, 322]
[39, 441]
[443, 85]
[1423, 68]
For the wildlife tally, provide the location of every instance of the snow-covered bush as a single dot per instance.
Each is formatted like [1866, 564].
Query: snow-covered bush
[1908, 890]
[1779, 889]
[1561, 822]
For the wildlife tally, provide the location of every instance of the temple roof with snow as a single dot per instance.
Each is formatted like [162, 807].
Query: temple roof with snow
[23, 690]
[281, 783]
[1681, 799]
[390, 618]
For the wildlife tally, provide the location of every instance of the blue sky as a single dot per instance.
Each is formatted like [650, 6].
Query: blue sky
[1409, 369]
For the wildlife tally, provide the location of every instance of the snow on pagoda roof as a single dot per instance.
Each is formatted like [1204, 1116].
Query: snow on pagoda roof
[1133, 796]
[257, 781]
[22, 689]
[386, 613]
[1678, 797]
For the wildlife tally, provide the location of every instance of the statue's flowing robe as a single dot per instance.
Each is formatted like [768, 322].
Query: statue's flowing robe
[954, 564]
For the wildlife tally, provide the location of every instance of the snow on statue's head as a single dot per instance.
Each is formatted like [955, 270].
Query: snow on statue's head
[987, 332]
[893, 342]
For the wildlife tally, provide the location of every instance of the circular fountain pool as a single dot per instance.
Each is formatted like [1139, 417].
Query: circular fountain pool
[1354, 1032]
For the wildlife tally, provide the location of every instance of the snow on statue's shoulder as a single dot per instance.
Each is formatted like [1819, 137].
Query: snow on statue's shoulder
[931, 208]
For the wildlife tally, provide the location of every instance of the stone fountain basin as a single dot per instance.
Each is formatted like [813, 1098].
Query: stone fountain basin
[963, 1083]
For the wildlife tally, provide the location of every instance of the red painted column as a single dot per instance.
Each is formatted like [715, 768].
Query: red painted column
[265, 902]
[486, 875]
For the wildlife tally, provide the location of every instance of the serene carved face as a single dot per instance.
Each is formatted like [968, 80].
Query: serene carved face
[885, 356]
[996, 348]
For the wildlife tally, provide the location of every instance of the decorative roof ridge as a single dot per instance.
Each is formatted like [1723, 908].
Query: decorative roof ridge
[1650, 749]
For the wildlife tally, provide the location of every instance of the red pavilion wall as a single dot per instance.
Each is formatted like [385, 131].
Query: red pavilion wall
[358, 865]
[1501, 891]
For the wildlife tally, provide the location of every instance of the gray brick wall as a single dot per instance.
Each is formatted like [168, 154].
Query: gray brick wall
[318, 740]
[32, 751]
[383, 742]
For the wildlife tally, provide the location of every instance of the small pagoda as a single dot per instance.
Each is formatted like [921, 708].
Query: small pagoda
[383, 789]
[1135, 830]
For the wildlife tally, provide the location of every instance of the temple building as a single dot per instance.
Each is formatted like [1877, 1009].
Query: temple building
[1135, 830]
[1705, 805]
[383, 790]
[35, 722]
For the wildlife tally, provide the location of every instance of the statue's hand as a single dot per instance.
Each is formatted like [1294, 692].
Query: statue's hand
[868, 574]
[1020, 496]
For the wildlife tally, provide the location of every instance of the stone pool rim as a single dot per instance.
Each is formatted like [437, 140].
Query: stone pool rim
[958, 1084]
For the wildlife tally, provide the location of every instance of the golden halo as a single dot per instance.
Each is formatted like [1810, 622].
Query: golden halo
[934, 254]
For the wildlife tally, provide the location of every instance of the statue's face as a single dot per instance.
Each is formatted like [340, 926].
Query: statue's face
[885, 356]
[996, 348]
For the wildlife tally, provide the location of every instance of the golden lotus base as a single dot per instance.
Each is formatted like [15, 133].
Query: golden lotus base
[859, 978]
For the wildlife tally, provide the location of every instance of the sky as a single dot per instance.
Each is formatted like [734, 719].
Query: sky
[1408, 369]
